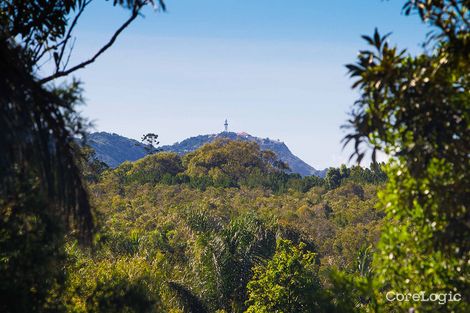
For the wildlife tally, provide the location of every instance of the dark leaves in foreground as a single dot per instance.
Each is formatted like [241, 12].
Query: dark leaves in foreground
[37, 145]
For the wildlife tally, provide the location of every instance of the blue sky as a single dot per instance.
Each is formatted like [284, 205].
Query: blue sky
[273, 68]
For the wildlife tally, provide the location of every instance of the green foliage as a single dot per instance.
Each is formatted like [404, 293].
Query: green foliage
[36, 20]
[197, 233]
[229, 163]
[352, 292]
[127, 284]
[288, 282]
[227, 256]
[419, 249]
[41, 189]
[189, 301]
[167, 246]
[208, 241]
[91, 167]
[160, 167]
[31, 241]
[226, 163]
[373, 175]
[416, 109]
[333, 178]
[44, 28]
[43, 197]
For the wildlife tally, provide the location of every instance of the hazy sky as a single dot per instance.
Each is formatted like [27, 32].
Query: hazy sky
[272, 68]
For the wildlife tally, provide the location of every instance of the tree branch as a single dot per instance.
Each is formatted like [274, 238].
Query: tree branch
[70, 53]
[135, 13]
[458, 9]
[38, 54]
[69, 33]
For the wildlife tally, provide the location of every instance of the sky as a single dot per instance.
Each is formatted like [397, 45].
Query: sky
[273, 68]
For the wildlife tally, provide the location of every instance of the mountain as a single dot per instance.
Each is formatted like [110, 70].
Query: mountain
[114, 149]
[282, 151]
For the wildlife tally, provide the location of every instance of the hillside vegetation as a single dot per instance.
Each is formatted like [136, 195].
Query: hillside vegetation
[113, 149]
[226, 228]
[176, 234]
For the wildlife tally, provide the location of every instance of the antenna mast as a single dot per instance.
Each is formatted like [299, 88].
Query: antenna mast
[226, 125]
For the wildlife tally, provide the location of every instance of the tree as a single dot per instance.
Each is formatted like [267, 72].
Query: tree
[230, 163]
[344, 171]
[288, 283]
[91, 167]
[127, 284]
[417, 109]
[227, 254]
[155, 168]
[333, 178]
[44, 30]
[42, 193]
[150, 142]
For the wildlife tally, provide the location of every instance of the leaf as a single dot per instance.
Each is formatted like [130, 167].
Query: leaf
[368, 39]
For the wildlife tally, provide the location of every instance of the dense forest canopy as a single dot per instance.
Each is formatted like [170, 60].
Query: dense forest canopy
[226, 228]
[211, 233]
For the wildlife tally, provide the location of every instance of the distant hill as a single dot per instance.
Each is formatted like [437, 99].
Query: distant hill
[114, 149]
